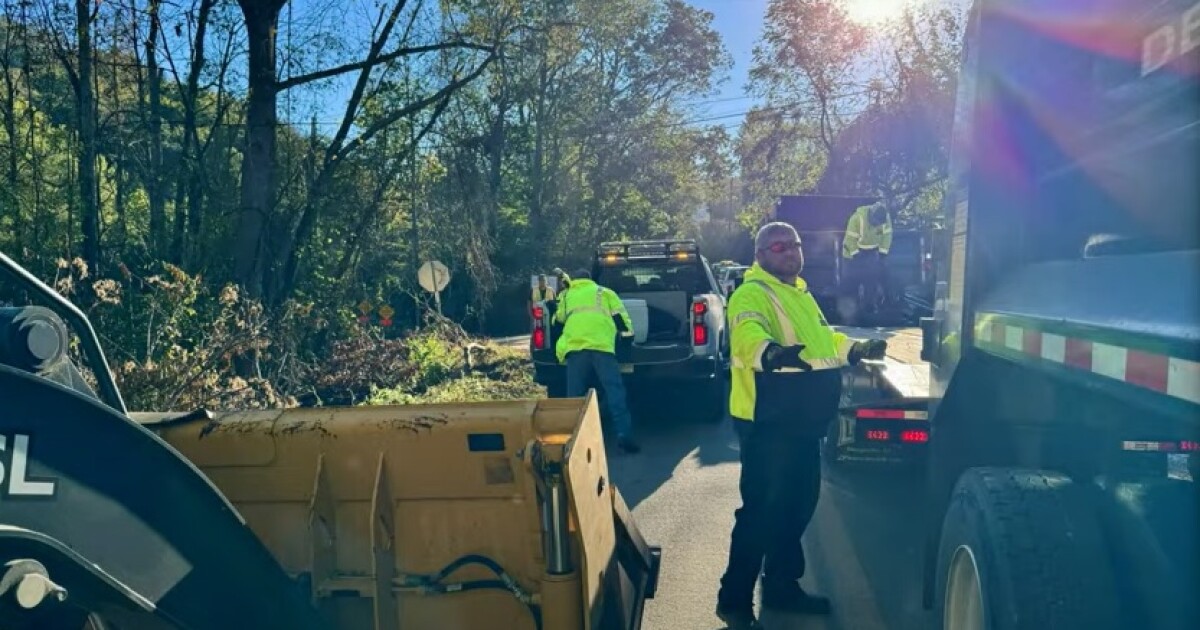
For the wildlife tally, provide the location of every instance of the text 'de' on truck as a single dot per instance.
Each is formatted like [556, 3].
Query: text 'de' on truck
[451, 516]
[1065, 345]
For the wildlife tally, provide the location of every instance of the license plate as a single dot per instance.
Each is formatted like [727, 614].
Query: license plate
[626, 368]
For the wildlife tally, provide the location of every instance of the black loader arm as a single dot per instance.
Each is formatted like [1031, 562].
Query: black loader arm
[101, 517]
[124, 523]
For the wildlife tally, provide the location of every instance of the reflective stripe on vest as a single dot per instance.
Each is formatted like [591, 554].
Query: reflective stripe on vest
[597, 308]
[789, 334]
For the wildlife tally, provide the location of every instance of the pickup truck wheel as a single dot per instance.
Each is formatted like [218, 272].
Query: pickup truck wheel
[1022, 550]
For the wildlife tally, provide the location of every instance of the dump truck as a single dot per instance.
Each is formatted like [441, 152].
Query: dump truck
[1065, 343]
[455, 516]
[821, 222]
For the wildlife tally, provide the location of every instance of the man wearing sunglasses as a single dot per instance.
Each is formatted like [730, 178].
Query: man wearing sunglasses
[786, 388]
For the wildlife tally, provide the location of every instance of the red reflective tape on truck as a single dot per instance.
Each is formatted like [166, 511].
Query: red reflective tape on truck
[1141, 367]
[891, 414]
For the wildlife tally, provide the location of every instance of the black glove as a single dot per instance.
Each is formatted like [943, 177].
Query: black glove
[870, 349]
[776, 357]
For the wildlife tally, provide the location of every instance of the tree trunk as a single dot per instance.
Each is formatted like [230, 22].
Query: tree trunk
[155, 189]
[259, 160]
[179, 226]
[89, 211]
[536, 221]
[192, 155]
[10, 129]
[119, 204]
[496, 146]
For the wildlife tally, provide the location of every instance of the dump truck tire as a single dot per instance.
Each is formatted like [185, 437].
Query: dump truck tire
[1022, 550]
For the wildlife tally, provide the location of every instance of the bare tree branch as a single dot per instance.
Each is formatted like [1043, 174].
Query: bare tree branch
[414, 107]
[384, 58]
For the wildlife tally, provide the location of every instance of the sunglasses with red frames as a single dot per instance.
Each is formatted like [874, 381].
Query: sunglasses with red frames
[780, 247]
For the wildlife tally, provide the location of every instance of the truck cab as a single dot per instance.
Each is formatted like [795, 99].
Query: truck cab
[678, 313]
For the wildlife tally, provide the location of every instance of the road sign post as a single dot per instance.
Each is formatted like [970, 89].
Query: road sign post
[433, 276]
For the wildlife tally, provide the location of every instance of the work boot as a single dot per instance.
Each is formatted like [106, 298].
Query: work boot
[627, 445]
[793, 599]
[738, 617]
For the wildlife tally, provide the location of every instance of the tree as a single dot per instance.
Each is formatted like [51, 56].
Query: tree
[899, 145]
[806, 65]
[253, 257]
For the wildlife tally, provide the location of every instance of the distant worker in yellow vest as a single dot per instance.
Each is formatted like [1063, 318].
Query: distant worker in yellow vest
[786, 372]
[563, 279]
[866, 244]
[591, 316]
[542, 293]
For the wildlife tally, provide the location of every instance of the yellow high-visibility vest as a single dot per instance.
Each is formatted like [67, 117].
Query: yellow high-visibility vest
[763, 311]
[862, 235]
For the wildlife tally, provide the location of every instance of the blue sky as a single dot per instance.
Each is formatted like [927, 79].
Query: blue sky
[739, 23]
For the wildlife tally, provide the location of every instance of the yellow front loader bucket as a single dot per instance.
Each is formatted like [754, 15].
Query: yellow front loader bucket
[453, 516]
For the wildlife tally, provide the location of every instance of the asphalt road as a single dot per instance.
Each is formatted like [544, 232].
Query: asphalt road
[864, 542]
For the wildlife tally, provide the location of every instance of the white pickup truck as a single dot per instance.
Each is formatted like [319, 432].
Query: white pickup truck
[680, 343]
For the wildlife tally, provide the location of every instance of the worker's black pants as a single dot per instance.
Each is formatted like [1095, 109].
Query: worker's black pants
[866, 269]
[780, 483]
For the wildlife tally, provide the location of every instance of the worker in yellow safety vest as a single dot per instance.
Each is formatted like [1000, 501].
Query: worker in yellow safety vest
[563, 279]
[591, 316]
[786, 363]
[542, 293]
[866, 244]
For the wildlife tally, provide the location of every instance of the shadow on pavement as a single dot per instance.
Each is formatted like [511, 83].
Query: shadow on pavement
[669, 436]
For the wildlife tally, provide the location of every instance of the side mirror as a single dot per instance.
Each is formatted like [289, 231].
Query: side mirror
[929, 338]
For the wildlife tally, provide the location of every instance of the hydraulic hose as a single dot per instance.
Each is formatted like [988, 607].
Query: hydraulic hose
[434, 584]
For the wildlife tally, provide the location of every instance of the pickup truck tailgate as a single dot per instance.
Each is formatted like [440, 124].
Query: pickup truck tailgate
[668, 313]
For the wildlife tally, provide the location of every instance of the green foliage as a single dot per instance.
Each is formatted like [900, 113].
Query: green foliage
[851, 110]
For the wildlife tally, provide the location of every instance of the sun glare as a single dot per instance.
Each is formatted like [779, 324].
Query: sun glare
[871, 12]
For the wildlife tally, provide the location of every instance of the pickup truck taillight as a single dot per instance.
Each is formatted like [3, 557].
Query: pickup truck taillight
[539, 331]
[699, 328]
